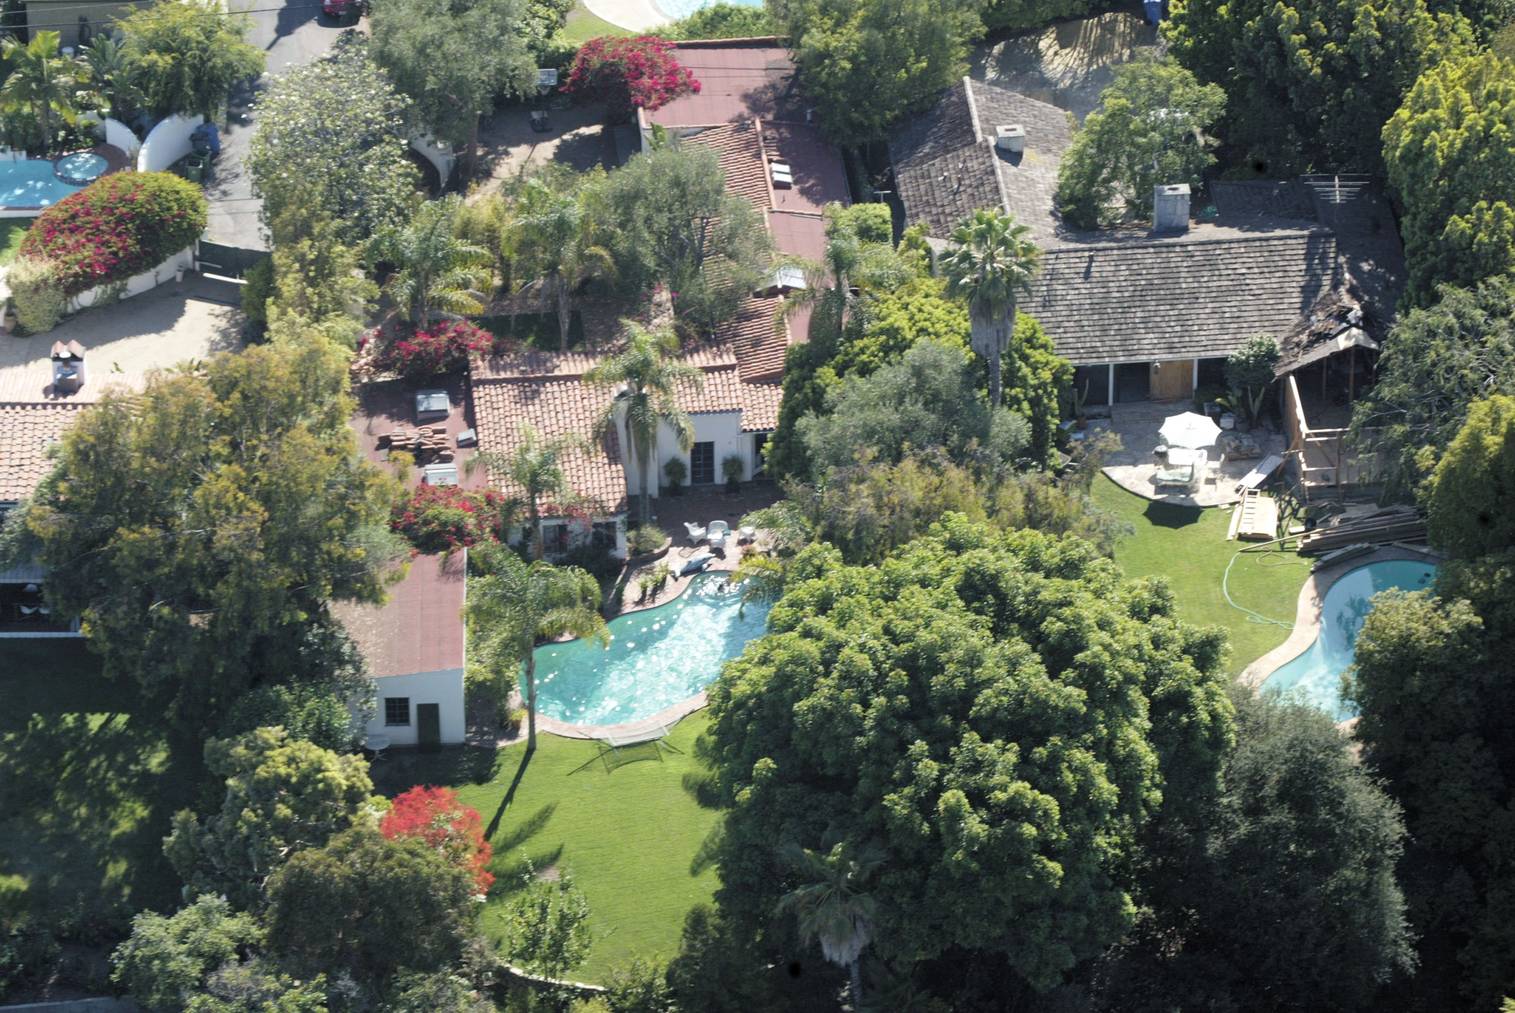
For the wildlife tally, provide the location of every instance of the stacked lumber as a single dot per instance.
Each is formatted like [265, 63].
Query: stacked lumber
[1393, 524]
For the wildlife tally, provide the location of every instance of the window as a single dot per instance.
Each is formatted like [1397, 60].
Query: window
[603, 535]
[759, 444]
[702, 463]
[397, 710]
[554, 539]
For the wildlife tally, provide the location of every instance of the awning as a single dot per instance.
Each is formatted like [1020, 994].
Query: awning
[1347, 337]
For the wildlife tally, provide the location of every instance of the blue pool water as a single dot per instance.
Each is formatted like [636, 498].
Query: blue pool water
[656, 657]
[32, 183]
[1315, 676]
[676, 9]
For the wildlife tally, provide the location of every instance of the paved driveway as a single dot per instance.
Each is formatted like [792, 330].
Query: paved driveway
[291, 36]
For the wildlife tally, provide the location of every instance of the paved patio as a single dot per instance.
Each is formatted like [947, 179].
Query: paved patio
[1134, 466]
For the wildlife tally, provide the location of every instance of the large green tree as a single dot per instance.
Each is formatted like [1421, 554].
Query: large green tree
[1310, 83]
[1452, 167]
[453, 59]
[998, 714]
[672, 223]
[330, 146]
[283, 795]
[1148, 131]
[1472, 492]
[519, 604]
[201, 526]
[866, 63]
[167, 959]
[185, 58]
[1436, 363]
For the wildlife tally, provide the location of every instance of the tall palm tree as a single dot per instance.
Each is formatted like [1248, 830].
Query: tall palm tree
[42, 82]
[110, 71]
[647, 375]
[990, 269]
[535, 466]
[521, 603]
[554, 238]
[833, 907]
[434, 268]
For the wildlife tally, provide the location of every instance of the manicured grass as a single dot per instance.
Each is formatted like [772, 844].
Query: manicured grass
[86, 794]
[1188, 546]
[630, 835]
[12, 231]
[580, 26]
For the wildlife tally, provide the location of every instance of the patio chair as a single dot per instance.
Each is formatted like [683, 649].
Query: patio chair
[717, 540]
[718, 528]
[1212, 469]
[696, 533]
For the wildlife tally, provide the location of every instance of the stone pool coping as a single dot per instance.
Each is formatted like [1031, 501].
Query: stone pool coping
[1312, 598]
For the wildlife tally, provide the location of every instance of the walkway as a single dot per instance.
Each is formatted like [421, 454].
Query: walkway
[1134, 466]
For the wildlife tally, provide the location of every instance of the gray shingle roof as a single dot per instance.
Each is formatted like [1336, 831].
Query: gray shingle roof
[1200, 294]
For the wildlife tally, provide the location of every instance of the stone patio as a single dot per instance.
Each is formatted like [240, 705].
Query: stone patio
[1134, 466]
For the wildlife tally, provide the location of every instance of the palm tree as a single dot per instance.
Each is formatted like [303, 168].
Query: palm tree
[832, 907]
[647, 376]
[535, 466]
[990, 269]
[521, 603]
[834, 286]
[554, 238]
[109, 68]
[41, 82]
[435, 269]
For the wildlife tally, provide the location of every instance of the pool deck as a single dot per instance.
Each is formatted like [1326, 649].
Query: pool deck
[1307, 612]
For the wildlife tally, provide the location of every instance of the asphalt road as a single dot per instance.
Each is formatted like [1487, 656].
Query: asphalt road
[291, 37]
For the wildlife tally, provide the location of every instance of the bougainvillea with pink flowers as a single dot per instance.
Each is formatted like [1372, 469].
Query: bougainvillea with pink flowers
[440, 348]
[118, 226]
[440, 518]
[435, 816]
[627, 73]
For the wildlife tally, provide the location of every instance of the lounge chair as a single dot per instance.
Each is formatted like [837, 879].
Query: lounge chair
[1180, 477]
[696, 562]
[696, 533]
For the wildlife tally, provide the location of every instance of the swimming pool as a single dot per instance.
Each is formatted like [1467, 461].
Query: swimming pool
[657, 657]
[33, 183]
[676, 9]
[1315, 676]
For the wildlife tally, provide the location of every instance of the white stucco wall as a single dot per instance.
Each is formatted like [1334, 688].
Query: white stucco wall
[444, 688]
[724, 429]
[138, 283]
[120, 135]
[439, 155]
[167, 142]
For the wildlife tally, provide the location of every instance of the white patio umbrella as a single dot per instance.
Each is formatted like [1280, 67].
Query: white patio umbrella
[1190, 430]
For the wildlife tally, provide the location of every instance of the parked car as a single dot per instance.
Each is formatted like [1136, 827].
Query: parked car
[344, 10]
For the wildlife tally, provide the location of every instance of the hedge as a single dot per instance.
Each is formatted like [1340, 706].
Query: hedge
[119, 226]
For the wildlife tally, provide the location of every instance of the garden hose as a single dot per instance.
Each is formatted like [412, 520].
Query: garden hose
[1254, 617]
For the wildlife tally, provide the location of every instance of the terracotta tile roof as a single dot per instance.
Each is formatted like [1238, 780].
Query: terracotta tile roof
[420, 627]
[739, 150]
[554, 406]
[523, 361]
[26, 432]
[758, 338]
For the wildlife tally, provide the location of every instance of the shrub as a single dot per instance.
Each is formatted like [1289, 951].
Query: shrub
[675, 471]
[439, 518]
[255, 296]
[116, 227]
[440, 348]
[627, 73]
[646, 538]
[37, 294]
[435, 816]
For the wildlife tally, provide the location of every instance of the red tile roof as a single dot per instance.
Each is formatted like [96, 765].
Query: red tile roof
[420, 627]
[740, 79]
[27, 430]
[739, 150]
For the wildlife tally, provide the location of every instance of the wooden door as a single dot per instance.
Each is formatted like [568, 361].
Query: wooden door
[429, 726]
[1173, 380]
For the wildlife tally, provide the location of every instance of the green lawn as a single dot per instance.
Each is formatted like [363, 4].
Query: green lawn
[1188, 546]
[630, 835]
[12, 231]
[86, 794]
[581, 25]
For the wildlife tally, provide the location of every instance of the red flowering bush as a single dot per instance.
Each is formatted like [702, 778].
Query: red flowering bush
[437, 817]
[440, 348]
[626, 73]
[120, 225]
[439, 518]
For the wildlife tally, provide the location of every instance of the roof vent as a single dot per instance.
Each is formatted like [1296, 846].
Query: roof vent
[1170, 208]
[783, 175]
[1011, 138]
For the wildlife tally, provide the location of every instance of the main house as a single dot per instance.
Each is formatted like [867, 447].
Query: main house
[1152, 313]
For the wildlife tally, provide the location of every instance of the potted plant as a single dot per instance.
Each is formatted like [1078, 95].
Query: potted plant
[675, 471]
[732, 469]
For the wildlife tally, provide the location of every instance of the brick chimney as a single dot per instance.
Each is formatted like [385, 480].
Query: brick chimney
[1170, 208]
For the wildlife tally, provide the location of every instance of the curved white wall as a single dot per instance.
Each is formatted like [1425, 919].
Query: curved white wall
[118, 134]
[167, 143]
[436, 154]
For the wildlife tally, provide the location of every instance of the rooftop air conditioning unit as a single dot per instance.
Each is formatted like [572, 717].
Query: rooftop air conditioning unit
[1011, 138]
[783, 175]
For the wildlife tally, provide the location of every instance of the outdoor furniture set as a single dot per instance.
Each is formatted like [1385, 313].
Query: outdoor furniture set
[717, 533]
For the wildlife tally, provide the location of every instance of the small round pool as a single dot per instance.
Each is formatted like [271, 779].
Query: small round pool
[656, 658]
[81, 167]
[1315, 676]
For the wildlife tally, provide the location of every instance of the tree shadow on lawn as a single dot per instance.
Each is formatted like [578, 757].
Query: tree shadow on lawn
[403, 769]
[1172, 515]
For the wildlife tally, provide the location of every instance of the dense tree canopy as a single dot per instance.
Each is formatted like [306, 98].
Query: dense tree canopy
[1452, 167]
[865, 63]
[330, 145]
[997, 714]
[185, 58]
[1310, 83]
[1436, 363]
[1148, 131]
[167, 959]
[1472, 491]
[200, 527]
[282, 795]
[1014, 15]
